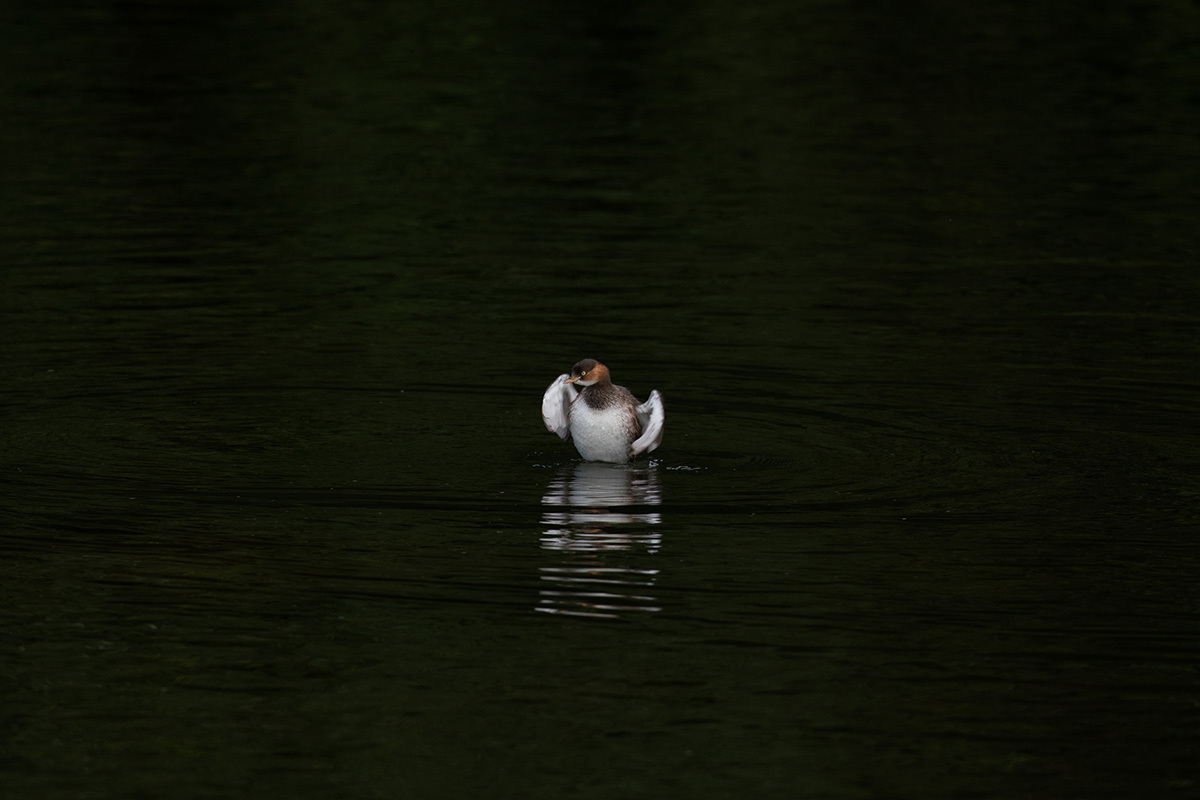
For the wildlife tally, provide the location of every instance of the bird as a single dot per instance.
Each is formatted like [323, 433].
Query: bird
[606, 421]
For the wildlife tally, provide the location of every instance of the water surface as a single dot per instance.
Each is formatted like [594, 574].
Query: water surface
[282, 289]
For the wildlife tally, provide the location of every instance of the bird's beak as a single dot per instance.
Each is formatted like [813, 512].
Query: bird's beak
[572, 380]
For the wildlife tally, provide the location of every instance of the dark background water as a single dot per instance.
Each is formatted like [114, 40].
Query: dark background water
[282, 284]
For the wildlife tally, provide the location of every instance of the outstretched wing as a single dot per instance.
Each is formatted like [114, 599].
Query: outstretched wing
[651, 415]
[556, 406]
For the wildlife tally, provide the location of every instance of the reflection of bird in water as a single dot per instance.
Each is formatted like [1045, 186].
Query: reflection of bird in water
[606, 421]
[592, 515]
[583, 505]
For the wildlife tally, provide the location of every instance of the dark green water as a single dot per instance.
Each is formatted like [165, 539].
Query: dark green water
[282, 285]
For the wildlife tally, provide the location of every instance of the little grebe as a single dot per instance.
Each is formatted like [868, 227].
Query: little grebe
[606, 421]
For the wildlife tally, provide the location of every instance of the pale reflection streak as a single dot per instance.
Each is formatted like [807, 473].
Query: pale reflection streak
[586, 509]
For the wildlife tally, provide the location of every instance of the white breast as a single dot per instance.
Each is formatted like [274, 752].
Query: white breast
[601, 434]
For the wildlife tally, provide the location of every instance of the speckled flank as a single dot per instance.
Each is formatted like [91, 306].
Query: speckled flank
[603, 434]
